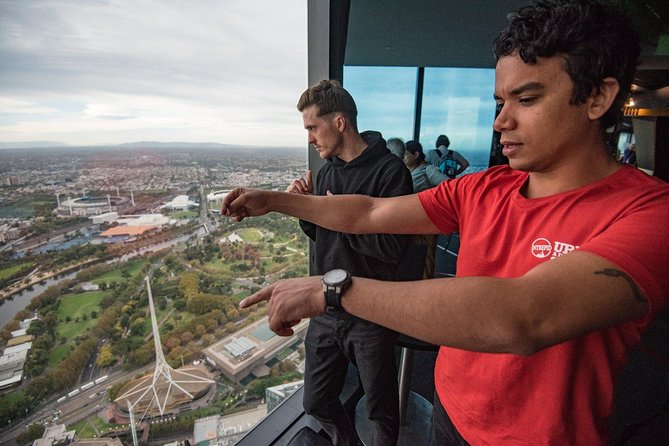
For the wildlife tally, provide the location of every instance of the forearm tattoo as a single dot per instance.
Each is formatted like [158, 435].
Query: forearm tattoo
[638, 295]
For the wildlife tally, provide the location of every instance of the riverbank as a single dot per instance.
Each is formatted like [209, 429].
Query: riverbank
[36, 278]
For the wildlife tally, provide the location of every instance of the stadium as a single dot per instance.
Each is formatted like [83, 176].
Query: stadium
[86, 206]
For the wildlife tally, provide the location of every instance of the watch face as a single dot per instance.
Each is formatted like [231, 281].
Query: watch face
[336, 276]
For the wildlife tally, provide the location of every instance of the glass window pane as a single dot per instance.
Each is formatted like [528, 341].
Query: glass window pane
[458, 102]
[385, 98]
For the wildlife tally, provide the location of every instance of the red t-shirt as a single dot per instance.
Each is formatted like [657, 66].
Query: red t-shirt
[563, 394]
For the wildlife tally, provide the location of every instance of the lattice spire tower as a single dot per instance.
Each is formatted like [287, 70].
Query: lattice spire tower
[166, 384]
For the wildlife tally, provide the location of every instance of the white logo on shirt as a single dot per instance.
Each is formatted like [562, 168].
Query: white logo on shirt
[542, 248]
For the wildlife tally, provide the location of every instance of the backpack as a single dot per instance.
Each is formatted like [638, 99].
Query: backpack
[447, 163]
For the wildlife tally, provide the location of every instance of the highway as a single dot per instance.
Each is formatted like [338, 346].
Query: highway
[92, 400]
[73, 409]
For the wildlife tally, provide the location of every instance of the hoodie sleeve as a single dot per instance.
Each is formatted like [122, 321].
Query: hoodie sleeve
[309, 229]
[387, 248]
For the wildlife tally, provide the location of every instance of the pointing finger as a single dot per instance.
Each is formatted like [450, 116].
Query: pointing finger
[259, 296]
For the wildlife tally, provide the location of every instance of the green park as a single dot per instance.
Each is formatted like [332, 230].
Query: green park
[196, 289]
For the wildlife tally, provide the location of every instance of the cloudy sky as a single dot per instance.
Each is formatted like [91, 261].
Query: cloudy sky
[85, 72]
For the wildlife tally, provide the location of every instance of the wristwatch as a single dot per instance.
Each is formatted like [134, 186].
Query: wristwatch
[335, 283]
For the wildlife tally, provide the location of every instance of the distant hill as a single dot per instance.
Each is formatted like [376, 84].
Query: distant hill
[156, 145]
[176, 145]
[31, 144]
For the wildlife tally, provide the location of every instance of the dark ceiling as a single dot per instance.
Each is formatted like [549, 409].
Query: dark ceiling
[427, 33]
[459, 33]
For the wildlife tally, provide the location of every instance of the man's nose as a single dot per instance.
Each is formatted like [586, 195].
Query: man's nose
[504, 120]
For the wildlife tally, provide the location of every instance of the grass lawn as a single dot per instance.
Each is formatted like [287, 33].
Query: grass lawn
[8, 272]
[250, 235]
[218, 266]
[133, 267]
[90, 427]
[185, 318]
[57, 354]
[12, 398]
[297, 246]
[76, 306]
[223, 266]
[242, 294]
[19, 209]
[159, 313]
[25, 207]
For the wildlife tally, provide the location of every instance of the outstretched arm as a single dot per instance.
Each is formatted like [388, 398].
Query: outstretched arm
[354, 214]
[554, 302]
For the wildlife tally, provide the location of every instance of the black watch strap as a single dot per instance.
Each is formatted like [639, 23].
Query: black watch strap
[332, 296]
[335, 283]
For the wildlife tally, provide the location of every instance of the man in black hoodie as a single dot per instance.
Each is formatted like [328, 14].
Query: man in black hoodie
[357, 163]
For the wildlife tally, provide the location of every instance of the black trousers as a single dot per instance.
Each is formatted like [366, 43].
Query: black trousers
[445, 432]
[330, 345]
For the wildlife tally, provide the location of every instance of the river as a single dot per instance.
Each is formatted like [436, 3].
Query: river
[10, 306]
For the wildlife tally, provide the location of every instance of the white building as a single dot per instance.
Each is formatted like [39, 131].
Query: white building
[157, 220]
[11, 367]
[57, 434]
[226, 430]
[107, 217]
[232, 238]
[179, 203]
[217, 195]
[277, 394]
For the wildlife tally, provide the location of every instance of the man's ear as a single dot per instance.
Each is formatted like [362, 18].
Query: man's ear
[340, 122]
[601, 102]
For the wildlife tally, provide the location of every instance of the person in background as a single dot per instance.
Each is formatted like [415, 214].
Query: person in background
[629, 155]
[396, 147]
[555, 282]
[450, 162]
[423, 174]
[357, 163]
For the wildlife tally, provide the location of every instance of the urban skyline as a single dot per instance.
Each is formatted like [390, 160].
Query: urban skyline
[94, 336]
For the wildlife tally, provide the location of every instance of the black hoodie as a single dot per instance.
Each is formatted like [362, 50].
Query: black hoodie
[375, 172]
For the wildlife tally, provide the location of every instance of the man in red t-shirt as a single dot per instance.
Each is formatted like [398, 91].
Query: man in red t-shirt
[563, 253]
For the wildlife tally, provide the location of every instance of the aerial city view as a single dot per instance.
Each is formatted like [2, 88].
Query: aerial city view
[131, 310]
[119, 279]
[89, 235]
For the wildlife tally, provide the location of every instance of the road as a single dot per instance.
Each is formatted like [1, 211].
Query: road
[94, 399]
[74, 409]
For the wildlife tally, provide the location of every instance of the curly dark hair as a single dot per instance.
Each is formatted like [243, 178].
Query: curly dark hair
[596, 39]
[329, 96]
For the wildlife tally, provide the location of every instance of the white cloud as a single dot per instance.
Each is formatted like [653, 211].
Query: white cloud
[211, 70]
[11, 106]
